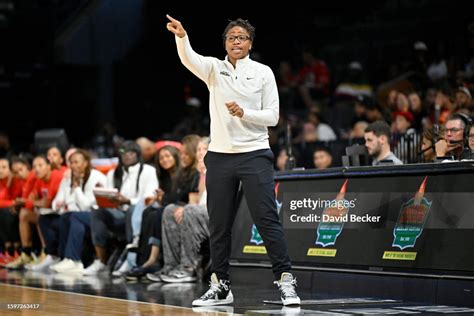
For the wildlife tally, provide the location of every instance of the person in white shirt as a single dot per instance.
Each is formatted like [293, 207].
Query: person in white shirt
[135, 181]
[74, 201]
[243, 102]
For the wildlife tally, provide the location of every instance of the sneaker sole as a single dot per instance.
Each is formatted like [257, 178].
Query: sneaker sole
[291, 301]
[176, 280]
[228, 300]
[213, 302]
[154, 279]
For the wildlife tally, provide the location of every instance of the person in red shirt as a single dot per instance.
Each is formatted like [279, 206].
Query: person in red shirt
[42, 195]
[314, 79]
[56, 159]
[10, 188]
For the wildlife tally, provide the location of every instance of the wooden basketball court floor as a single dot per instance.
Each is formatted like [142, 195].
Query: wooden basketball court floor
[46, 293]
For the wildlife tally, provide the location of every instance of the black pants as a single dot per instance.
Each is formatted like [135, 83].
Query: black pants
[255, 171]
[8, 227]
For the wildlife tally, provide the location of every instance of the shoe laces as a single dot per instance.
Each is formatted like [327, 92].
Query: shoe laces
[213, 289]
[287, 288]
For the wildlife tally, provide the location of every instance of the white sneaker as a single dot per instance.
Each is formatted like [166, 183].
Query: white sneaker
[287, 286]
[68, 266]
[95, 268]
[48, 261]
[124, 268]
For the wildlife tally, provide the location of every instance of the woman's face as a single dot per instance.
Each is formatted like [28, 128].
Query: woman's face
[78, 165]
[166, 159]
[42, 168]
[201, 151]
[55, 158]
[415, 102]
[237, 43]
[20, 170]
[186, 158]
[4, 169]
[428, 154]
[471, 138]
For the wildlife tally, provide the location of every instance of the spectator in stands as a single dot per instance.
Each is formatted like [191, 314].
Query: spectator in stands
[428, 143]
[354, 84]
[361, 103]
[392, 100]
[45, 188]
[148, 150]
[453, 142]
[377, 140]
[186, 182]
[185, 227]
[417, 109]
[358, 130]
[463, 98]
[322, 158]
[375, 113]
[135, 181]
[287, 82]
[401, 102]
[324, 131]
[402, 124]
[168, 166]
[314, 80]
[64, 230]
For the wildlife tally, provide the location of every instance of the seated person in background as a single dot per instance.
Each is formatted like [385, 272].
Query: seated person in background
[65, 229]
[148, 150]
[56, 159]
[135, 181]
[322, 158]
[377, 140]
[149, 242]
[428, 143]
[358, 130]
[184, 228]
[186, 181]
[453, 142]
[41, 197]
[10, 189]
[402, 123]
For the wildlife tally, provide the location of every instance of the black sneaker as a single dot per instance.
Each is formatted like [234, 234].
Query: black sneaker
[219, 293]
[287, 286]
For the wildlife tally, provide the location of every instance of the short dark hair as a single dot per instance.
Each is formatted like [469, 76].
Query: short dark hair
[379, 128]
[243, 24]
[323, 148]
[465, 120]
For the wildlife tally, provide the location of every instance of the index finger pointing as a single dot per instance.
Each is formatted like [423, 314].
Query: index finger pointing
[171, 18]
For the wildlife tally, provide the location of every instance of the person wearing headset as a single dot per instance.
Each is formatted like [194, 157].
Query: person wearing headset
[455, 136]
